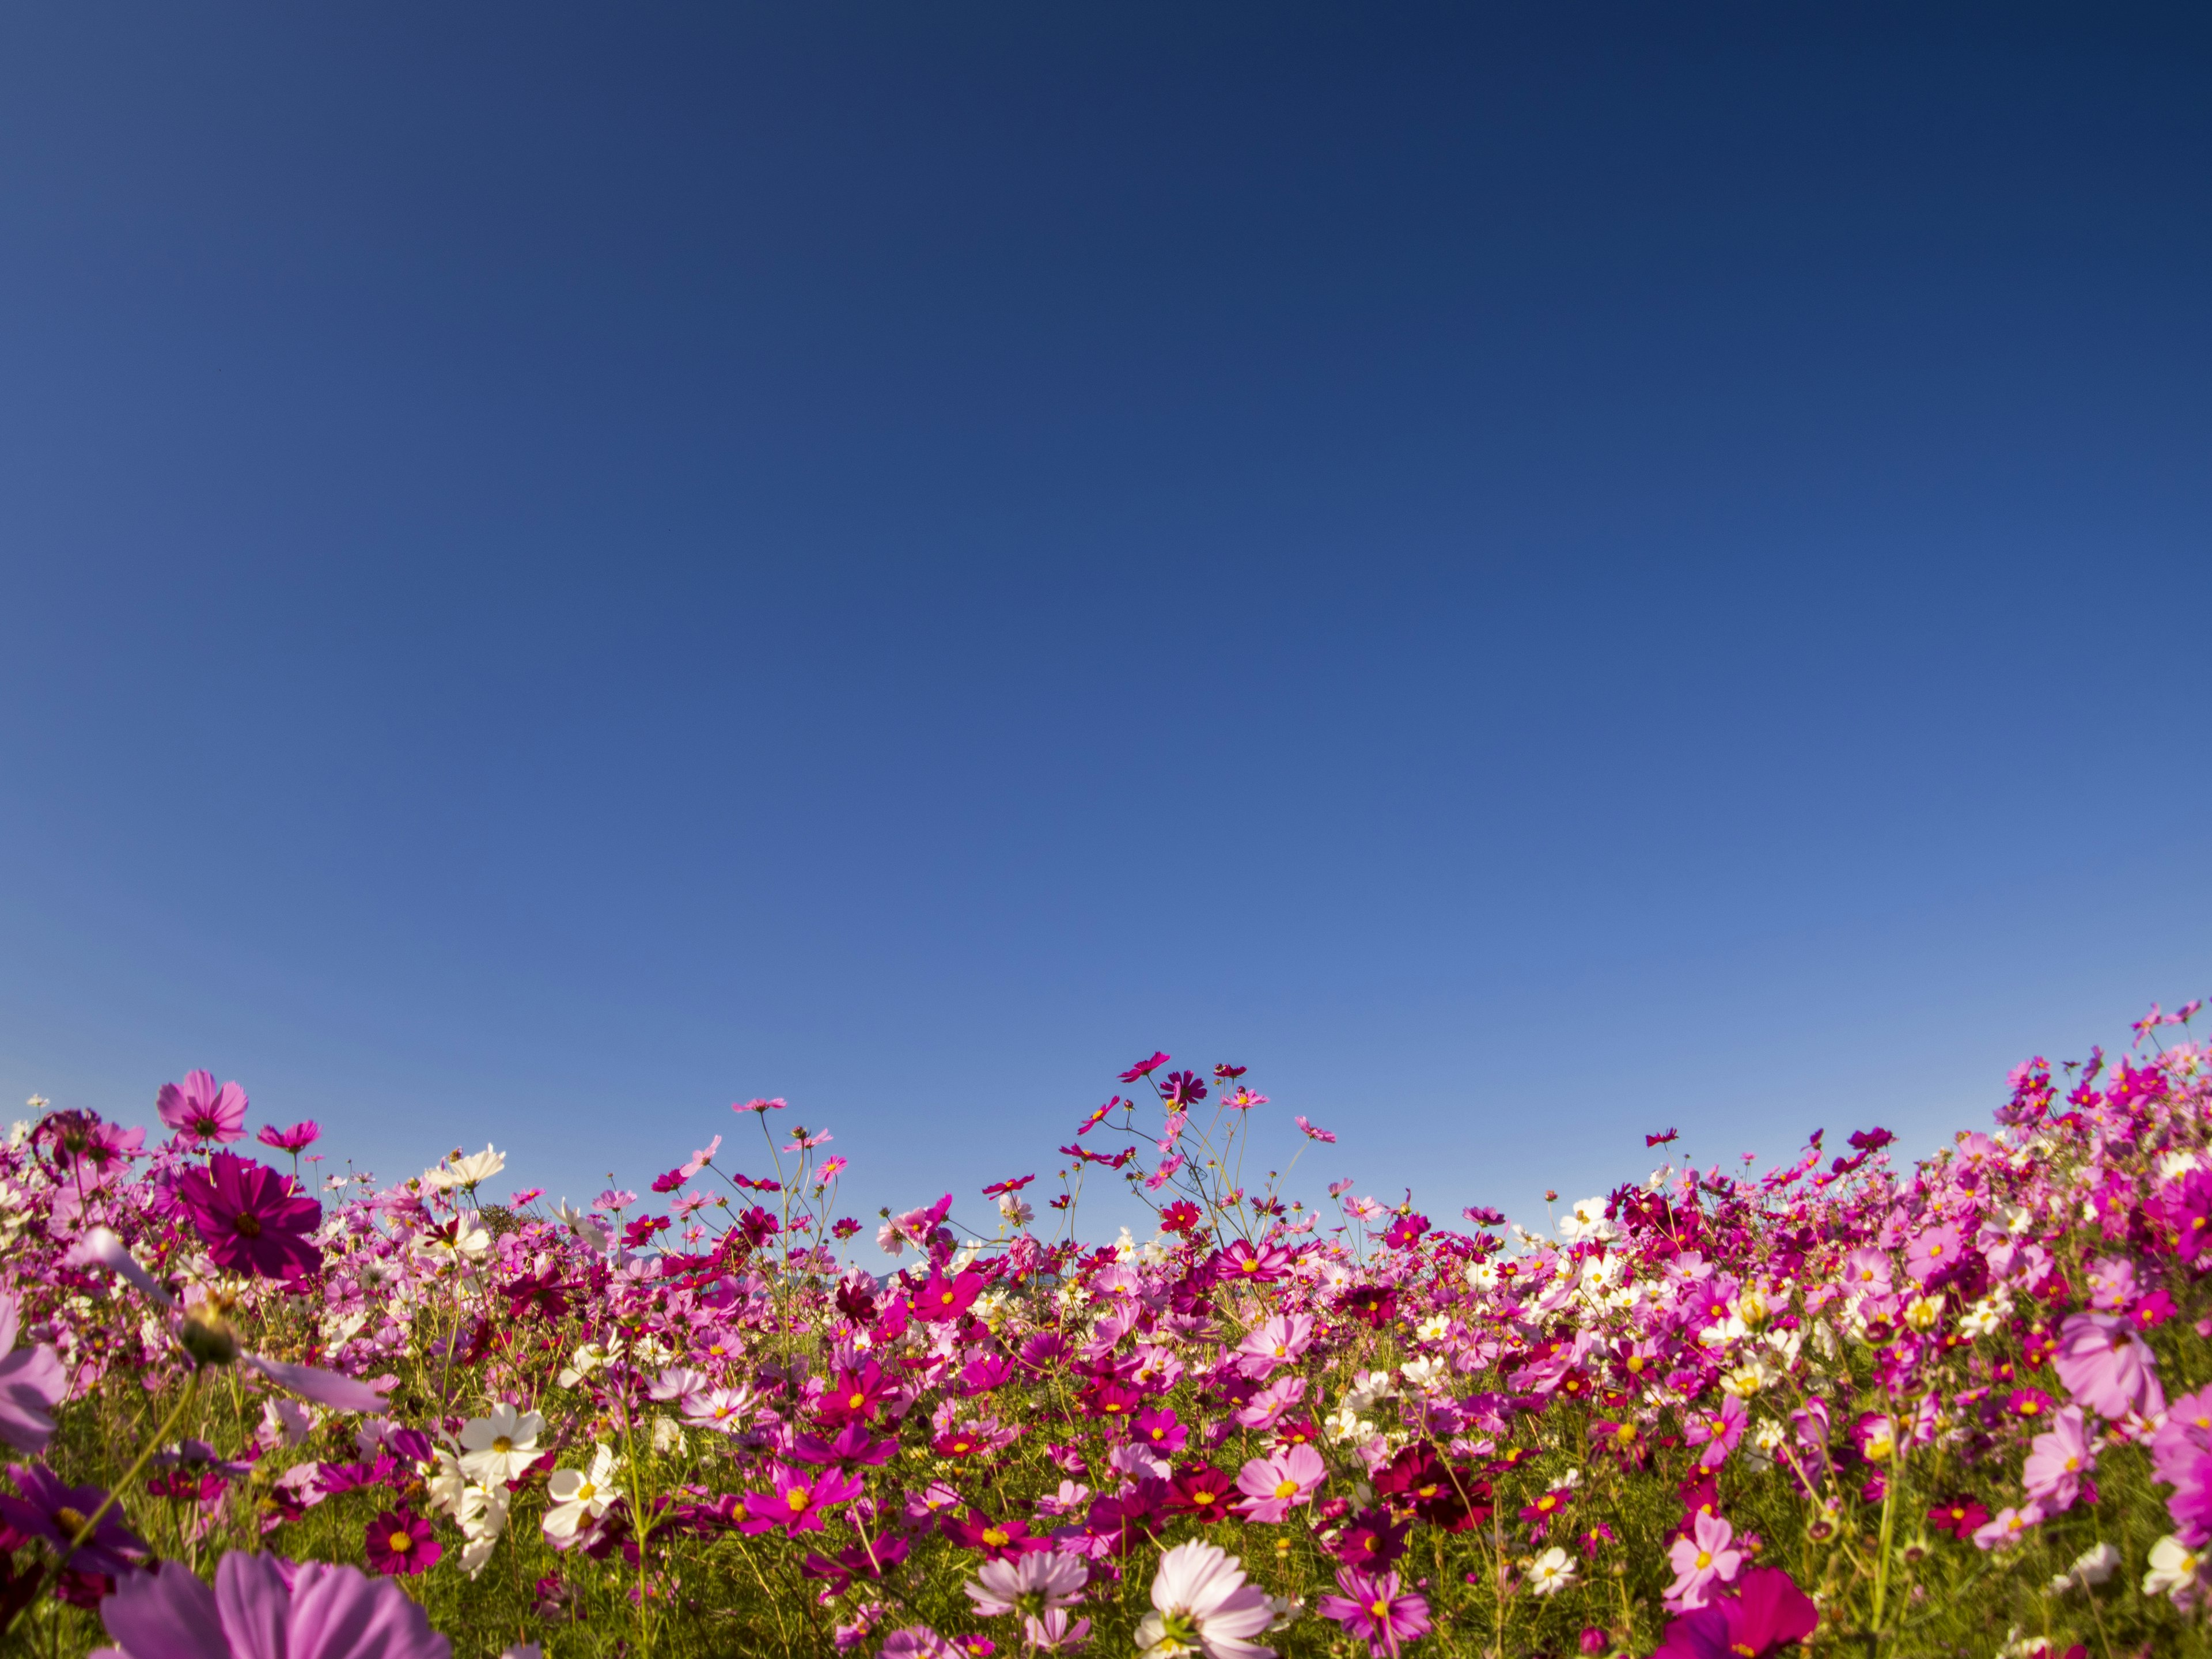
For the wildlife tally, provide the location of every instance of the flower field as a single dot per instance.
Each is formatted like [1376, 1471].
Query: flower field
[1839, 1405]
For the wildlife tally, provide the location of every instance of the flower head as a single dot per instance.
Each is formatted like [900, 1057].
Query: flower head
[259, 1604]
[1202, 1605]
[251, 1218]
[198, 1109]
[1375, 1610]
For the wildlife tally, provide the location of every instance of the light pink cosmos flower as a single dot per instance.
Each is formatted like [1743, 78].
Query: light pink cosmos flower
[2057, 1459]
[702, 1157]
[201, 1110]
[259, 1605]
[32, 1383]
[2106, 1367]
[1700, 1562]
[1279, 1341]
[2010, 1527]
[1869, 1273]
[1275, 1484]
[1312, 1133]
[1201, 1603]
[1030, 1584]
[1265, 1409]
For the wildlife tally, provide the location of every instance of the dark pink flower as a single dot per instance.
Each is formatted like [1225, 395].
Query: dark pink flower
[57, 1513]
[297, 1138]
[1144, 1067]
[1375, 1609]
[1768, 1611]
[399, 1543]
[198, 1109]
[251, 1218]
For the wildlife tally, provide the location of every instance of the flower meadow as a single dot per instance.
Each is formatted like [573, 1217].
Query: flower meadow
[1841, 1405]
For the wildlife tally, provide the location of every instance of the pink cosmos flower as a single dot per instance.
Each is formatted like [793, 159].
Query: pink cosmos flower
[1201, 1603]
[201, 1110]
[259, 1605]
[800, 1497]
[1275, 1484]
[1144, 1067]
[758, 1106]
[1265, 1408]
[701, 1158]
[1868, 1273]
[2106, 1367]
[1027, 1583]
[1700, 1562]
[251, 1218]
[1933, 1252]
[1374, 1609]
[297, 1138]
[1280, 1340]
[32, 1383]
[2057, 1461]
[1312, 1133]
[2009, 1528]
[1717, 1432]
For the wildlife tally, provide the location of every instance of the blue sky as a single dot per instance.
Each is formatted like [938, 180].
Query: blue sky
[1531, 574]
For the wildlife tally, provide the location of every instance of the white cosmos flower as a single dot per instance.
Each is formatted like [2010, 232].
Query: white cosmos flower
[1550, 1572]
[466, 1172]
[1586, 1220]
[497, 1449]
[2175, 1570]
[1201, 1604]
[581, 1495]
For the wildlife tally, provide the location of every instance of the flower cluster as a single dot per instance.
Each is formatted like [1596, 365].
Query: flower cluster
[1713, 1413]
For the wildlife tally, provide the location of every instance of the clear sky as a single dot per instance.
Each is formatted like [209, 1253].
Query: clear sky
[1531, 573]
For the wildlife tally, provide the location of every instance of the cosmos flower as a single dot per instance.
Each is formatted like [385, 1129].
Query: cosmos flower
[32, 1383]
[399, 1543]
[1375, 1610]
[1701, 1561]
[1202, 1605]
[498, 1447]
[260, 1606]
[1275, 1484]
[251, 1218]
[200, 1111]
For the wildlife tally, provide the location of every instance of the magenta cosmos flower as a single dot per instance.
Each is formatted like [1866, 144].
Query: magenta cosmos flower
[399, 1543]
[197, 1108]
[297, 1138]
[57, 1513]
[1769, 1612]
[251, 1220]
[260, 1607]
[1373, 1608]
[32, 1383]
[800, 1497]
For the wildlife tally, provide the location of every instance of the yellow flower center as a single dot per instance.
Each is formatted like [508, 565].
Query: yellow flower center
[399, 1543]
[1287, 1489]
[796, 1498]
[1704, 1559]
